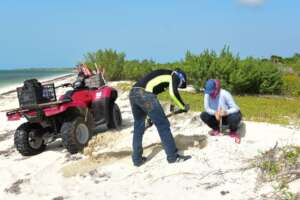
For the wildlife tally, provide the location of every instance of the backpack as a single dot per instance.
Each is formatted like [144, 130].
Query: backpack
[31, 93]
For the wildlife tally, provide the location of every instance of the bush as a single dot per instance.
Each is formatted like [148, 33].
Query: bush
[247, 76]
[134, 69]
[279, 166]
[196, 67]
[110, 59]
[291, 85]
[270, 79]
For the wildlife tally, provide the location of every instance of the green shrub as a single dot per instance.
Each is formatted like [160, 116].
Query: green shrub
[240, 76]
[291, 85]
[135, 69]
[248, 76]
[196, 66]
[110, 59]
[270, 79]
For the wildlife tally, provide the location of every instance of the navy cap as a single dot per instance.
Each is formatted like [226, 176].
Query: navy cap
[210, 86]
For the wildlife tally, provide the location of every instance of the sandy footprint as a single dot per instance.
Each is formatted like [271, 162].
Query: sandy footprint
[96, 159]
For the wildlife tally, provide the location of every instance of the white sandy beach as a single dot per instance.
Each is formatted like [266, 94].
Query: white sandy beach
[218, 169]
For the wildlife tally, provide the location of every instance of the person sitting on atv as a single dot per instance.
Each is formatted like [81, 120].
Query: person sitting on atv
[83, 73]
[144, 103]
[220, 107]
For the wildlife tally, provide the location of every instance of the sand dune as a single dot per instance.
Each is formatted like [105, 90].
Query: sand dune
[219, 168]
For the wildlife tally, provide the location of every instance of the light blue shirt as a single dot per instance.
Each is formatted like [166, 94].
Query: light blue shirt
[224, 100]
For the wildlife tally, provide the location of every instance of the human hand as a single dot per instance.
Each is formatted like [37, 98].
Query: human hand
[222, 112]
[186, 108]
[217, 115]
[66, 85]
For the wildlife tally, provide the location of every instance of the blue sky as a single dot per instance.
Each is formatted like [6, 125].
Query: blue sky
[54, 33]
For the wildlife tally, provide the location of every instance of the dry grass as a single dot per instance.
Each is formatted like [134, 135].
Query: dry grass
[279, 165]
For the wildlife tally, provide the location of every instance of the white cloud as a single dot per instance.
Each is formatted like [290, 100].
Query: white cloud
[252, 2]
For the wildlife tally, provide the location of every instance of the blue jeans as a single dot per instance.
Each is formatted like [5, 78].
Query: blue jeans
[142, 104]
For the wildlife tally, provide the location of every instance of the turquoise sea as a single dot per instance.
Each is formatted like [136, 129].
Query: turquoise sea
[18, 76]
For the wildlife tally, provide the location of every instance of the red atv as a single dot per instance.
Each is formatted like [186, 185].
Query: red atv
[74, 117]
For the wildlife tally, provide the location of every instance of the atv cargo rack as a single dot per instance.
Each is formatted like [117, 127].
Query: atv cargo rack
[95, 81]
[34, 93]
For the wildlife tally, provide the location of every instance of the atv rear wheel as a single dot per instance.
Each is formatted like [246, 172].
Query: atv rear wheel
[28, 139]
[115, 117]
[76, 134]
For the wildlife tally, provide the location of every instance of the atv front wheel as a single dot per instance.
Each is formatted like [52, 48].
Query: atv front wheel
[115, 117]
[28, 139]
[76, 134]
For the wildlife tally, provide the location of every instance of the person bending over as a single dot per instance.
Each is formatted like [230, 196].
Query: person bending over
[144, 103]
[220, 107]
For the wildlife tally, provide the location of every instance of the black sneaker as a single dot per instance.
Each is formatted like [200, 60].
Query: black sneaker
[143, 160]
[180, 158]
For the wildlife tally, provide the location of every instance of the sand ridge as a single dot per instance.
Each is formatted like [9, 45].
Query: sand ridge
[219, 168]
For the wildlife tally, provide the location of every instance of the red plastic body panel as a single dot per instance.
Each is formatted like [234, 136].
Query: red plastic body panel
[14, 117]
[104, 92]
[80, 98]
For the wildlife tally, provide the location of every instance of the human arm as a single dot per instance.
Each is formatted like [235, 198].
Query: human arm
[232, 106]
[207, 108]
[173, 91]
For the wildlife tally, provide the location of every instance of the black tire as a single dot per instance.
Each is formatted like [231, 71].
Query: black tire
[76, 134]
[28, 139]
[115, 117]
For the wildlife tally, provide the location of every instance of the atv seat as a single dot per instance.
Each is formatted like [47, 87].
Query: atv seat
[68, 95]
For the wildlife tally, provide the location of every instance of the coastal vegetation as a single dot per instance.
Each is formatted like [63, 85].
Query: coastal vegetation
[279, 166]
[275, 75]
[267, 90]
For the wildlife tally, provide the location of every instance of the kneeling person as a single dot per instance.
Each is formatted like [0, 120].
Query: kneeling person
[220, 106]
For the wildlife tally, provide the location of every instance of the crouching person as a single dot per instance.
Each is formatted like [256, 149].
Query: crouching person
[144, 103]
[220, 108]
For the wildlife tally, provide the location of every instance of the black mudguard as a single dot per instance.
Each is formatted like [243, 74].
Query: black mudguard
[101, 110]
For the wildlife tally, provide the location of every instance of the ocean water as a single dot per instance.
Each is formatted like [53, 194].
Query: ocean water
[18, 76]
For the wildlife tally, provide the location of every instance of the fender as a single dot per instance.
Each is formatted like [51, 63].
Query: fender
[102, 99]
[61, 108]
[104, 92]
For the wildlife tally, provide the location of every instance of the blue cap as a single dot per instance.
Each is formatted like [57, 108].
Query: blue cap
[210, 86]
